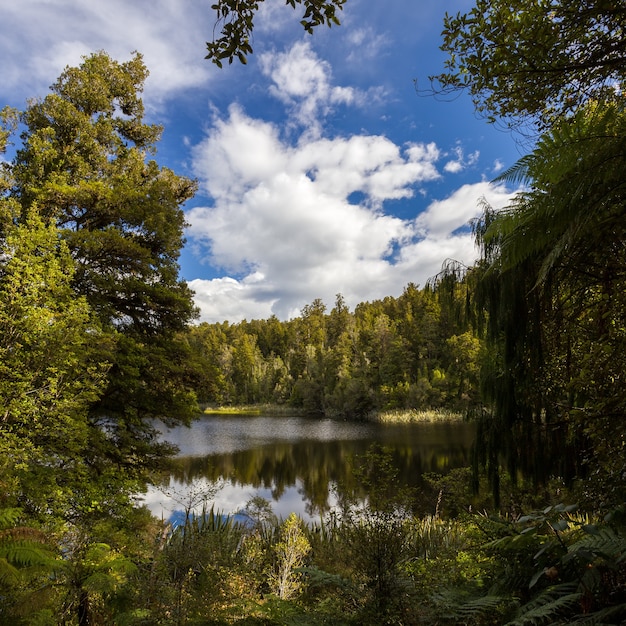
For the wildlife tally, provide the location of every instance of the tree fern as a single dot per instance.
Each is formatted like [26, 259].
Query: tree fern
[552, 265]
[22, 549]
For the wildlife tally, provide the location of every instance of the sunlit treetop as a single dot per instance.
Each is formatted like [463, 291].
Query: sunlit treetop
[535, 59]
[235, 18]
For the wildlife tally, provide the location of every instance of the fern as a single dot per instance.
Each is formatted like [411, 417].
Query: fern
[455, 607]
[22, 549]
[607, 616]
[9, 517]
[318, 578]
[549, 606]
[602, 542]
[9, 574]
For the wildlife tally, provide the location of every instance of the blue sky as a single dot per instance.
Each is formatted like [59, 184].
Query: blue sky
[321, 169]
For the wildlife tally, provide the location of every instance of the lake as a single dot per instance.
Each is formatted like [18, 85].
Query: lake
[297, 464]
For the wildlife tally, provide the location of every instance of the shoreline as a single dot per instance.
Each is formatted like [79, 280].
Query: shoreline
[394, 416]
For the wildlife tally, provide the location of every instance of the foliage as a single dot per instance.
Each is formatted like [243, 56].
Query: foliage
[537, 59]
[91, 311]
[554, 304]
[290, 552]
[577, 566]
[50, 370]
[25, 560]
[94, 341]
[83, 169]
[412, 353]
[236, 20]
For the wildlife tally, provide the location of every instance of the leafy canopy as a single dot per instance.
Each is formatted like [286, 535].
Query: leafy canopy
[91, 304]
[84, 161]
[236, 19]
[539, 59]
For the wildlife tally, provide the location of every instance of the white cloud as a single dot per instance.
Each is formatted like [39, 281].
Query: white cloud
[307, 221]
[294, 275]
[443, 217]
[461, 162]
[229, 299]
[302, 81]
[498, 166]
[366, 44]
[57, 33]
[297, 220]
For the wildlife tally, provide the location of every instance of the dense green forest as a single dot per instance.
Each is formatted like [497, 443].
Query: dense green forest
[97, 339]
[417, 351]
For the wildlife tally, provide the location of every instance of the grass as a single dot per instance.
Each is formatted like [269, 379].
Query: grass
[414, 416]
[396, 416]
[253, 409]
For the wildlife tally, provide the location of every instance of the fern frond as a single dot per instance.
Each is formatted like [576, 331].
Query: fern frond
[460, 609]
[517, 173]
[603, 542]
[24, 554]
[549, 606]
[9, 574]
[318, 578]
[608, 616]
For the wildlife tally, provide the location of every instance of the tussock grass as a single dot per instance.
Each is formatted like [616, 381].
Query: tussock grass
[396, 416]
[253, 409]
[413, 416]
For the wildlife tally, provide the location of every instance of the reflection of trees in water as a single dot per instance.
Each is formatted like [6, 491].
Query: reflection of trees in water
[319, 466]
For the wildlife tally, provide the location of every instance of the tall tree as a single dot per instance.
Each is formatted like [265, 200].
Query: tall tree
[553, 283]
[552, 268]
[51, 372]
[84, 162]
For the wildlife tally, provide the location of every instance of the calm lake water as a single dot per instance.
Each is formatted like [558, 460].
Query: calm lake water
[298, 464]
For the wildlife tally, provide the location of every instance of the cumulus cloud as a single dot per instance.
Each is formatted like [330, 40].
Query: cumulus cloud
[359, 253]
[302, 81]
[229, 299]
[444, 217]
[306, 221]
[295, 220]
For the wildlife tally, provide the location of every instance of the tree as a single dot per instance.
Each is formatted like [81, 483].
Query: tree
[551, 277]
[51, 371]
[25, 562]
[539, 59]
[246, 366]
[236, 18]
[553, 282]
[84, 164]
[290, 552]
[83, 161]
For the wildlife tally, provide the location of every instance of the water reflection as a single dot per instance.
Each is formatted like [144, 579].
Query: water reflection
[297, 463]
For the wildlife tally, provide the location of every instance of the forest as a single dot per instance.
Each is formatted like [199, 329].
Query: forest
[99, 337]
[417, 351]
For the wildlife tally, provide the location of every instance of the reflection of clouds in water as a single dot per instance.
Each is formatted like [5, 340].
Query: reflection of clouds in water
[226, 434]
[301, 459]
[229, 499]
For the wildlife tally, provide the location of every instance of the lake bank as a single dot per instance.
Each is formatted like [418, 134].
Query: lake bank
[394, 416]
